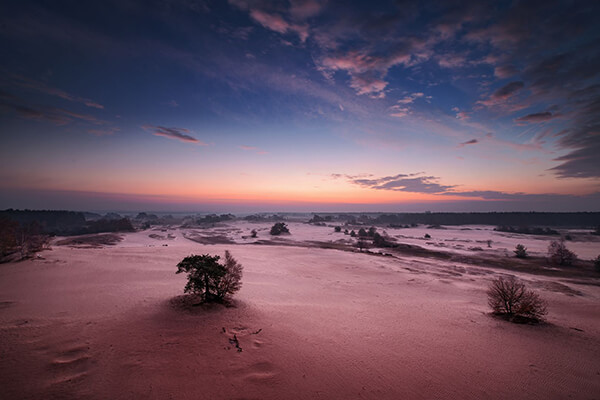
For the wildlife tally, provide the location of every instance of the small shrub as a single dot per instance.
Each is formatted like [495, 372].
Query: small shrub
[361, 244]
[521, 251]
[427, 236]
[352, 233]
[253, 233]
[559, 254]
[509, 297]
[380, 241]
[362, 232]
[597, 263]
[279, 228]
[337, 229]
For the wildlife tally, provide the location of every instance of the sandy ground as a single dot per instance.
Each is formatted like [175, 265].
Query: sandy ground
[100, 323]
[457, 239]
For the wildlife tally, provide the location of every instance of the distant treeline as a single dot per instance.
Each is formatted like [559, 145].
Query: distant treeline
[53, 222]
[556, 219]
[527, 230]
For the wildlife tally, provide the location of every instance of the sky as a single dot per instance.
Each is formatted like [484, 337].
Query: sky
[300, 105]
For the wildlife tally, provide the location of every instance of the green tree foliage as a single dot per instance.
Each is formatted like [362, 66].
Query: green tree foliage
[352, 233]
[559, 254]
[361, 244]
[372, 231]
[427, 236]
[337, 229]
[362, 232]
[380, 241]
[520, 251]
[509, 297]
[209, 279]
[279, 228]
[597, 263]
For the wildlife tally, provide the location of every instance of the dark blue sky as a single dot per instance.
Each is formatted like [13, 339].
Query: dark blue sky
[301, 104]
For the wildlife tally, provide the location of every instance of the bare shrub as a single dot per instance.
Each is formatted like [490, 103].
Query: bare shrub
[559, 254]
[231, 282]
[511, 298]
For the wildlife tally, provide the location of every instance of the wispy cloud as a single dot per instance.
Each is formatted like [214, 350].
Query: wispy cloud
[424, 184]
[180, 134]
[104, 132]
[54, 115]
[536, 117]
[253, 149]
[49, 90]
[472, 141]
[404, 183]
[275, 21]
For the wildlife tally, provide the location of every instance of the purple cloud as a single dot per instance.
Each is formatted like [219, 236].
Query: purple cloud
[536, 117]
[472, 141]
[55, 115]
[508, 90]
[44, 88]
[404, 183]
[253, 149]
[180, 134]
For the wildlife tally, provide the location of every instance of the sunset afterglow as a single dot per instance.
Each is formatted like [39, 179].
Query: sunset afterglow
[300, 106]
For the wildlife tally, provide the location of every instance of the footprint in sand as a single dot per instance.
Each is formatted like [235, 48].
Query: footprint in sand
[70, 366]
[260, 372]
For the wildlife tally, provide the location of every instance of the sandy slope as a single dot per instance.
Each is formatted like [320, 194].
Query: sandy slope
[106, 323]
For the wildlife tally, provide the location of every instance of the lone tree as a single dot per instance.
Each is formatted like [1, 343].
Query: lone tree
[520, 251]
[361, 244]
[279, 228]
[559, 254]
[380, 241]
[209, 279]
[510, 298]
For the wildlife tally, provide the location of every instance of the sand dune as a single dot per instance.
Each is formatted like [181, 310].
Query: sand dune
[110, 322]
